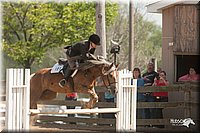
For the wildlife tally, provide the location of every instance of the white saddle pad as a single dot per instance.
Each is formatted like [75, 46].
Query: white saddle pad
[56, 68]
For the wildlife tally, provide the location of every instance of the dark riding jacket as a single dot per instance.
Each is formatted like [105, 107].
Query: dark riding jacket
[80, 49]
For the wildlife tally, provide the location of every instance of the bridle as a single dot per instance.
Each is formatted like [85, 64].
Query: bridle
[107, 76]
[109, 82]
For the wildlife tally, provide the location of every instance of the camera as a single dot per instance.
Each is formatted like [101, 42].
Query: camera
[115, 49]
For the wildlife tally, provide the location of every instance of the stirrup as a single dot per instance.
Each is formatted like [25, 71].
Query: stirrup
[62, 83]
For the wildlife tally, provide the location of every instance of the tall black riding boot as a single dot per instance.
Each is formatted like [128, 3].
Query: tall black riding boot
[67, 73]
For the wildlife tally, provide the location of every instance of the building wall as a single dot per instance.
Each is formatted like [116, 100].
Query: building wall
[180, 37]
[167, 40]
[186, 29]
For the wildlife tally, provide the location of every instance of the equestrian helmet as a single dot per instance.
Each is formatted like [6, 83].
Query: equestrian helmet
[95, 39]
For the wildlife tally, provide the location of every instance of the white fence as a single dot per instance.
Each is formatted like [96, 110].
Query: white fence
[18, 94]
[126, 101]
[17, 99]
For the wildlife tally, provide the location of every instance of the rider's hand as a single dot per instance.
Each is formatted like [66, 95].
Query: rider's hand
[90, 56]
[87, 55]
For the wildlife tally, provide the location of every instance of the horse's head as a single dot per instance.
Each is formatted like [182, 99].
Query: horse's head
[105, 72]
[187, 122]
[108, 77]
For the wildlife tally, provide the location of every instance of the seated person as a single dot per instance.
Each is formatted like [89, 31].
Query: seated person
[191, 76]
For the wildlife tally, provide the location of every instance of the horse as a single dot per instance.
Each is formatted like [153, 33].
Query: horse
[187, 122]
[44, 85]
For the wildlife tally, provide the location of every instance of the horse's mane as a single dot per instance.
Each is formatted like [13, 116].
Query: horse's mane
[99, 60]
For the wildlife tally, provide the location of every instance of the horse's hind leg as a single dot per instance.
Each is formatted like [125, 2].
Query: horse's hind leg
[93, 98]
[34, 98]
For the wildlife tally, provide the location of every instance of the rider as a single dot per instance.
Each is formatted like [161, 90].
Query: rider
[81, 49]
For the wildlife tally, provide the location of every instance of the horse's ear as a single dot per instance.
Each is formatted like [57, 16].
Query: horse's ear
[111, 65]
[116, 66]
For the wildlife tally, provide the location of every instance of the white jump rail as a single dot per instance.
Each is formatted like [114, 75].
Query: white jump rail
[17, 99]
[78, 111]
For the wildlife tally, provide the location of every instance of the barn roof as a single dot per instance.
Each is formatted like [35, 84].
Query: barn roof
[158, 6]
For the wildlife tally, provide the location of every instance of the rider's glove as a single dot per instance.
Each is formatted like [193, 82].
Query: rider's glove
[87, 55]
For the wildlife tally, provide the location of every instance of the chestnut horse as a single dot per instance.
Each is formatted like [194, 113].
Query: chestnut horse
[45, 85]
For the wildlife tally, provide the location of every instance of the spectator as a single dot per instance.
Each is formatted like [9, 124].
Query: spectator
[109, 97]
[140, 96]
[161, 81]
[160, 96]
[159, 69]
[149, 77]
[72, 97]
[191, 76]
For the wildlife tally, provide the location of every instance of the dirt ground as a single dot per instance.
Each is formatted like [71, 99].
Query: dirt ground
[52, 129]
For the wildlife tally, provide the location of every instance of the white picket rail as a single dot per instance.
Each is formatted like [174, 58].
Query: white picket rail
[17, 99]
[126, 101]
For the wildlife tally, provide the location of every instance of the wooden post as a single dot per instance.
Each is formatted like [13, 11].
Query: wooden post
[154, 61]
[100, 27]
[131, 36]
[187, 100]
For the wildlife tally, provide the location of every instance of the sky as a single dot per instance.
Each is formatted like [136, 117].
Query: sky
[156, 17]
[150, 16]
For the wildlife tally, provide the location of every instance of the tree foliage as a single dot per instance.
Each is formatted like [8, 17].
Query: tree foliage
[31, 29]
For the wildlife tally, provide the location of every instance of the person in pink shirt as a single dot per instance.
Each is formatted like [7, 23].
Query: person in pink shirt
[191, 76]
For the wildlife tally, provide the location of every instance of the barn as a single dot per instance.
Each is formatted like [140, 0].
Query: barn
[180, 35]
[180, 45]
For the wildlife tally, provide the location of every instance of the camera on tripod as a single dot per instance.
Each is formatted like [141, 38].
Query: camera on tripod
[115, 48]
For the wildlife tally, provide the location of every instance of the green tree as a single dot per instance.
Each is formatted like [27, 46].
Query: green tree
[29, 30]
[32, 29]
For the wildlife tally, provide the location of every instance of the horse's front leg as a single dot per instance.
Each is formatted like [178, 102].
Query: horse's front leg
[93, 98]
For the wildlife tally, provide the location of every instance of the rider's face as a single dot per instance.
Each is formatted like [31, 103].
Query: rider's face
[92, 45]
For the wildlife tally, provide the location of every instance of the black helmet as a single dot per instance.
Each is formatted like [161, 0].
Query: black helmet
[95, 39]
